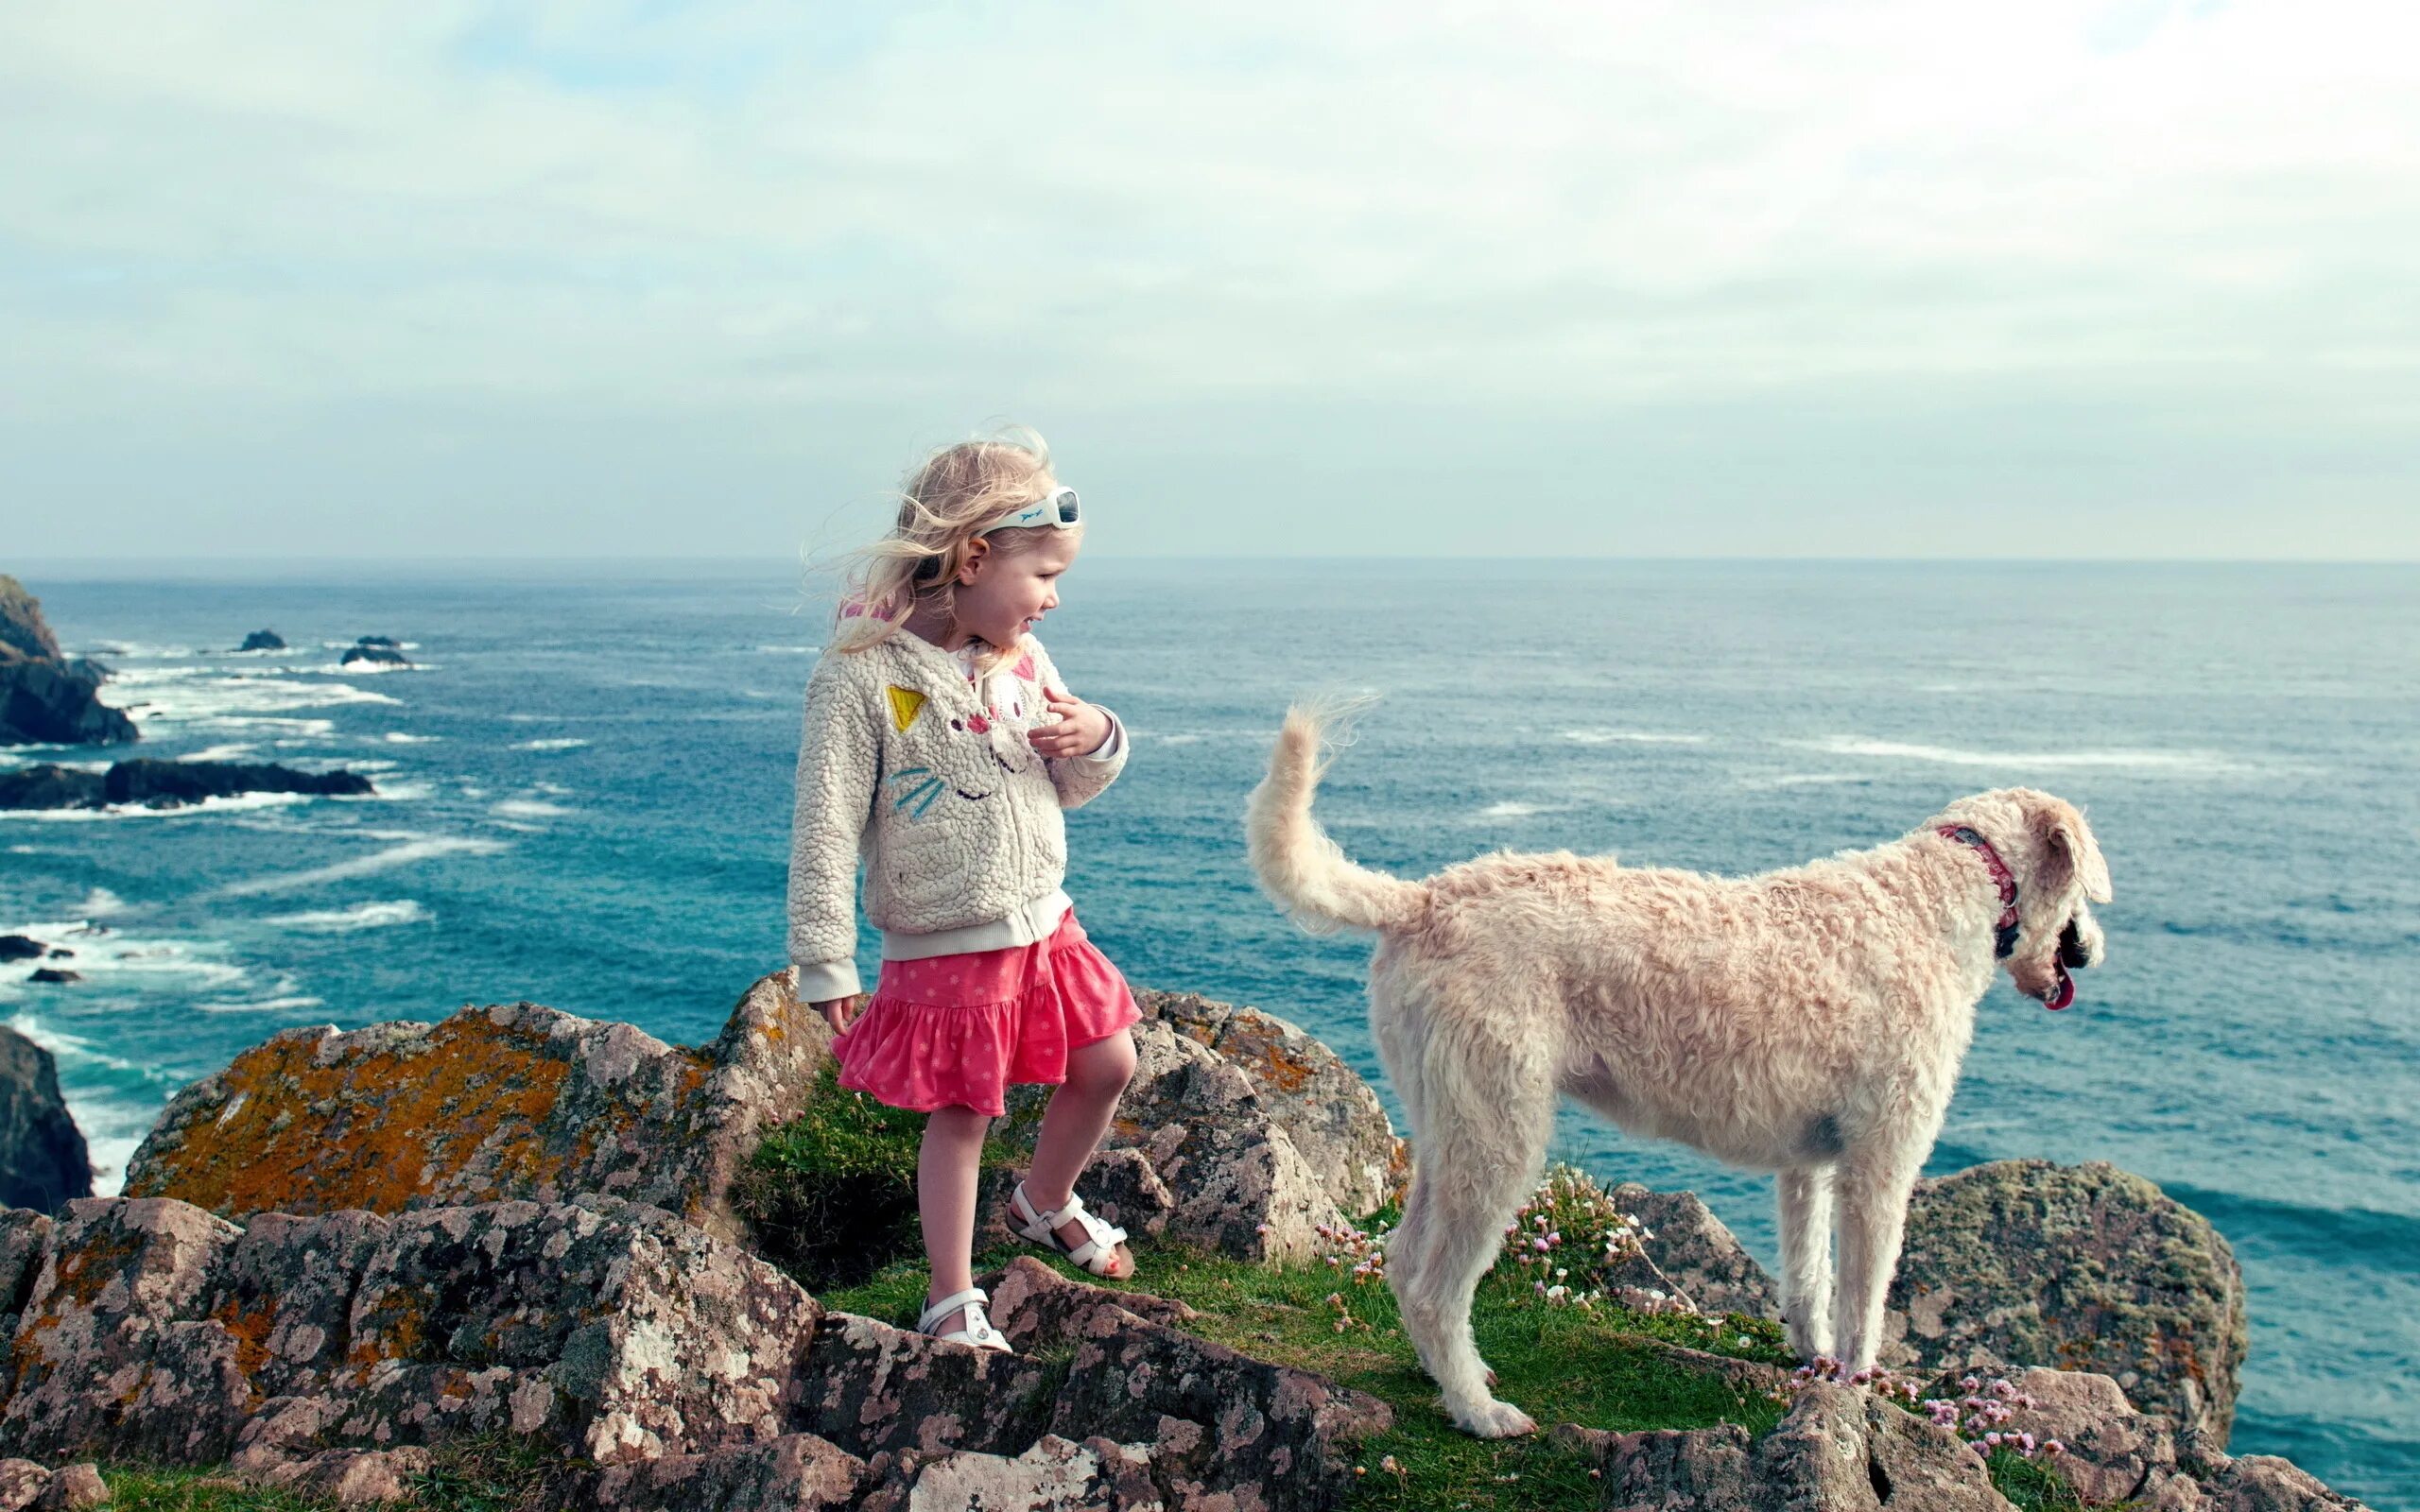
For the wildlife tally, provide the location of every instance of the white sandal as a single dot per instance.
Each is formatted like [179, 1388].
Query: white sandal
[978, 1331]
[1096, 1254]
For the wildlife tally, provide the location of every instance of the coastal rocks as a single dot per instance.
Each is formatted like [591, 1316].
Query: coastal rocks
[54, 976]
[1697, 1252]
[2112, 1453]
[511, 1100]
[1222, 1429]
[1247, 1154]
[156, 1330]
[375, 653]
[2024, 1263]
[1840, 1448]
[20, 948]
[795, 1472]
[26, 1487]
[1333, 1116]
[45, 696]
[159, 785]
[262, 641]
[43, 1158]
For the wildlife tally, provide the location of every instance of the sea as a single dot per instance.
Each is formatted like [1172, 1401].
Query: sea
[585, 787]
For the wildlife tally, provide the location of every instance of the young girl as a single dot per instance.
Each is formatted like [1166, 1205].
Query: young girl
[942, 746]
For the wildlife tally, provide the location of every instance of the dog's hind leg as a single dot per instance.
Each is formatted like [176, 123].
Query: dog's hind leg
[1806, 1259]
[1489, 1107]
[1873, 1187]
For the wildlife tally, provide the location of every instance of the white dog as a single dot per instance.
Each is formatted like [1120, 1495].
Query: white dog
[1807, 1021]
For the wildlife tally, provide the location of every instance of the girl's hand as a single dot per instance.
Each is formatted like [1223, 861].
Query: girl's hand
[1080, 732]
[837, 1012]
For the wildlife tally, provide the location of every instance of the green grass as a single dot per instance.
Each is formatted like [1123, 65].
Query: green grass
[1559, 1363]
[832, 1196]
[495, 1473]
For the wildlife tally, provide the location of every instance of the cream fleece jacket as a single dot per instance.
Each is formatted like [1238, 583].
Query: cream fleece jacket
[956, 817]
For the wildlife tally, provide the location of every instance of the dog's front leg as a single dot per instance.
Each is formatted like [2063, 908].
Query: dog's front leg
[1873, 1187]
[1806, 1259]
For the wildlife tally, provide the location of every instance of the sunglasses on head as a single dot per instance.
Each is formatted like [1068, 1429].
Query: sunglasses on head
[1056, 508]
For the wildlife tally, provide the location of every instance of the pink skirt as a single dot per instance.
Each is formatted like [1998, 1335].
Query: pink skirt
[954, 1031]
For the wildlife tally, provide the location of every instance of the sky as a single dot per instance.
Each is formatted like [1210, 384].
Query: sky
[2135, 280]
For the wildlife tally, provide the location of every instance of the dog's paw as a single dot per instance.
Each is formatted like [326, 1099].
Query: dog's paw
[1496, 1419]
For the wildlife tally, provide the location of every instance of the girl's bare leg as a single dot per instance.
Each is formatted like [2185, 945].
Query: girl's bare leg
[1072, 1125]
[946, 1169]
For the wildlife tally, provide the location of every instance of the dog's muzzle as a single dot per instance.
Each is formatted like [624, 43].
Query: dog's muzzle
[2073, 956]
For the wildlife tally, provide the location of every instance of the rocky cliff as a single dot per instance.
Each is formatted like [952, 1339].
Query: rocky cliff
[45, 696]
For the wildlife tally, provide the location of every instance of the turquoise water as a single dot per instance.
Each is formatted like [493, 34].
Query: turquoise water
[585, 800]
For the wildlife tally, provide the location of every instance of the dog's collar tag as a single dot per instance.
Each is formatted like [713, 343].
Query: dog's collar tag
[2003, 932]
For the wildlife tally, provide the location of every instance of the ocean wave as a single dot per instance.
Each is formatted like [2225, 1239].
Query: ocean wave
[264, 1005]
[347, 646]
[397, 737]
[1951, 756]
[526, 808]
[1513, 808]
[558, 742]
[1635, 737]
[789, 650]
[105, 956]
[139, 651]
[359, 916]
[406, 854]
[220, 753]
[100, 903]
[1805, 780]
[203, 696]
[207, 807]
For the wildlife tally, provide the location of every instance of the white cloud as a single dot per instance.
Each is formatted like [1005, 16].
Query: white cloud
[743, 211]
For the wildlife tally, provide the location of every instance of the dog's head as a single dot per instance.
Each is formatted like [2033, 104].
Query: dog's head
[2060, 874]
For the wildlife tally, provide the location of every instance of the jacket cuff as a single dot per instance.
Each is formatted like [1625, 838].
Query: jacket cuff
[1112, 745]
[823, 981]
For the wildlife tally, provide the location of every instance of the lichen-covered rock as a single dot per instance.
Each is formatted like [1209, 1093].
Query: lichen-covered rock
[1838, 1449]
[115, 1351]
[24, 1237]
[618, 1331]
[2024, 1263]
[74, 1488]
[1212, 1136]
[1235, 1432]
[870, 1387]
[1331, 1115]
[509, 1102]
[1054, 1474]
[21, 1483]
[2110, 1453]
[1703, 1260]
[795, 1472]
[355, 1477]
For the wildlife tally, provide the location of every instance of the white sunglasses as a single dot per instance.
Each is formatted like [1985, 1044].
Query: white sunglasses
[1057, 507]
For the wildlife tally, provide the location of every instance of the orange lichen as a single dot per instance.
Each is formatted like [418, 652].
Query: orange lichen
[375, 1130]
[249, 1328]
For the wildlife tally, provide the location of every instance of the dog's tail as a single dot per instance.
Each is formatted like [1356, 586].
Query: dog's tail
[1299, 866]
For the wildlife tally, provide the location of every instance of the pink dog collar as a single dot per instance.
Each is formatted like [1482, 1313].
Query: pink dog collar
[2003, 932]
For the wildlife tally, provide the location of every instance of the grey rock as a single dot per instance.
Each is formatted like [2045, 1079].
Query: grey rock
[2112, 1452]
[44, 1161]
[21, 1483]
[1331, 1115]
[872, 1387]
[262, 641]
[795, 1472]
[1838, 1449]
[1054, 1474]
[2024, 1263]
[1699, 1252]
[45, 696]
[74, 1488]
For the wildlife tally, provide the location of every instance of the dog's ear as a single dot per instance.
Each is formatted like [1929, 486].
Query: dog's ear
[2070, 854]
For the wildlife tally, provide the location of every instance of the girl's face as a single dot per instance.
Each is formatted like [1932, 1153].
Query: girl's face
[1003, 595]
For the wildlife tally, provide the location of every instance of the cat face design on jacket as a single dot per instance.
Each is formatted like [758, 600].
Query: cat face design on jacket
[974, 752]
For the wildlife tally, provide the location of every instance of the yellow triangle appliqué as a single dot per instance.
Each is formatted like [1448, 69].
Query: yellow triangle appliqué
[906, 703]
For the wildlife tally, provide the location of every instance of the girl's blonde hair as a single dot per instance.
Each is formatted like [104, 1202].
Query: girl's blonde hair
[950, 497]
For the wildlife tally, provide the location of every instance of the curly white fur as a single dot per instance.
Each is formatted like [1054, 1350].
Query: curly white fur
[1808, 1022]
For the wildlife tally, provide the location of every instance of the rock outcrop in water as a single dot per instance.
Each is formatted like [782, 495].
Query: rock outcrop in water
[43, 1158]
[159, 785]
[375, 653]
[47, 698]
[2085, 1267]
[262, 641]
